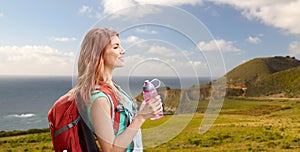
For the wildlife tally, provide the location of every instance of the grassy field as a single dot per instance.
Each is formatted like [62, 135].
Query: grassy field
[243, 125]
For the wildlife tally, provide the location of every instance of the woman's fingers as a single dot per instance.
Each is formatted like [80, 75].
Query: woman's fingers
[159, 110]
[156, 104]
[151, 108]
[155, 99]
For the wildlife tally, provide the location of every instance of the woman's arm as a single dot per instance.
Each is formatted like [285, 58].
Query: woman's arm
[101, 118]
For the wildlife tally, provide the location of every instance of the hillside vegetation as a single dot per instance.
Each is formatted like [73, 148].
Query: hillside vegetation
[243, 125]
[258, 68]
[285, 82]
[267, 76]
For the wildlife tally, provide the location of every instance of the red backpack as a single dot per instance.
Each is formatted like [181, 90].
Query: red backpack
[69, 132]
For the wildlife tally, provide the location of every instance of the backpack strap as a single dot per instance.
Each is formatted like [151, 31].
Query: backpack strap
[87, 138]
[68, 126]
[115, 113]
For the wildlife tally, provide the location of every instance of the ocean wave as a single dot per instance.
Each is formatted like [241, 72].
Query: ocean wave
[22, 115]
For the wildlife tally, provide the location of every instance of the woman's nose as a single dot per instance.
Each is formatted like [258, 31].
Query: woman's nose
[122, 51]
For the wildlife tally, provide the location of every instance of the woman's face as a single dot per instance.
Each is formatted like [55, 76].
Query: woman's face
[114, 54]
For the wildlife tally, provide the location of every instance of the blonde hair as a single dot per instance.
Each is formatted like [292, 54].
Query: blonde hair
[91, 63]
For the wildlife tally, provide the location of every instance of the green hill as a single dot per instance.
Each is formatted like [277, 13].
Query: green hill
[255, 69]
[267, 76]
[286, 82]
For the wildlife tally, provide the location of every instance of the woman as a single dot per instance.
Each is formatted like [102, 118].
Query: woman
[100, 54]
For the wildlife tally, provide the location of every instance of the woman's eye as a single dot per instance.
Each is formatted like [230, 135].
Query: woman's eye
[115, 47]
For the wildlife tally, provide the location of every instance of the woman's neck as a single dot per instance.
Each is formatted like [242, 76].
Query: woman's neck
[108, 75]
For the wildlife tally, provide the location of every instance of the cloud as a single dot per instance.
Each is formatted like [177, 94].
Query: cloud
[135, 13]
[280, 14]
[254, 40]
[113, 6]
[140, 65]
[196, 63]
[117, 5]
[170, 2]
[145, 31]
[132, 39]
[214, 45]
[85, 9]
[64, 39]
[35, 60]
[294, 48]
[1, 14]
[161, 50]
[90, 12]
[132, 59]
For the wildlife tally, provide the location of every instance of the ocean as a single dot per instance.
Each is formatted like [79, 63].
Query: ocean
[25, 101]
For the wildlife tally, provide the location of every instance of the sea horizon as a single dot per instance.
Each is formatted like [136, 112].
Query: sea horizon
[26, 100]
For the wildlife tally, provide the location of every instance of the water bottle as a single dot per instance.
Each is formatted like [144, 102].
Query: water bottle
[149, 92]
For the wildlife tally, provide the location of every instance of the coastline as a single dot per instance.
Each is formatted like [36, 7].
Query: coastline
[7, 133]
[23, 132]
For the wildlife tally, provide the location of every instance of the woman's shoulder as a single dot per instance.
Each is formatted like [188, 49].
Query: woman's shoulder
[98, 94]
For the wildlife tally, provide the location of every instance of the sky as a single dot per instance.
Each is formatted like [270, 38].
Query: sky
[161, 37]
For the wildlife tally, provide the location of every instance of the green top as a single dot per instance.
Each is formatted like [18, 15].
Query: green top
[123, 114]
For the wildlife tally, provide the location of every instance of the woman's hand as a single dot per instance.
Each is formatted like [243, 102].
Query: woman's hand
[151, 108]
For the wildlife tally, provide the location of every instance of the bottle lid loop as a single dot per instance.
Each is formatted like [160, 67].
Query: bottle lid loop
[158, 81]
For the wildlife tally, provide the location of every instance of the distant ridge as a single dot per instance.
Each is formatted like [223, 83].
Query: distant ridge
[267, 76]
[260, 77]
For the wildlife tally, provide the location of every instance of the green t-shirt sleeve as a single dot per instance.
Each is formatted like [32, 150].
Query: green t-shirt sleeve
[95, 94]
